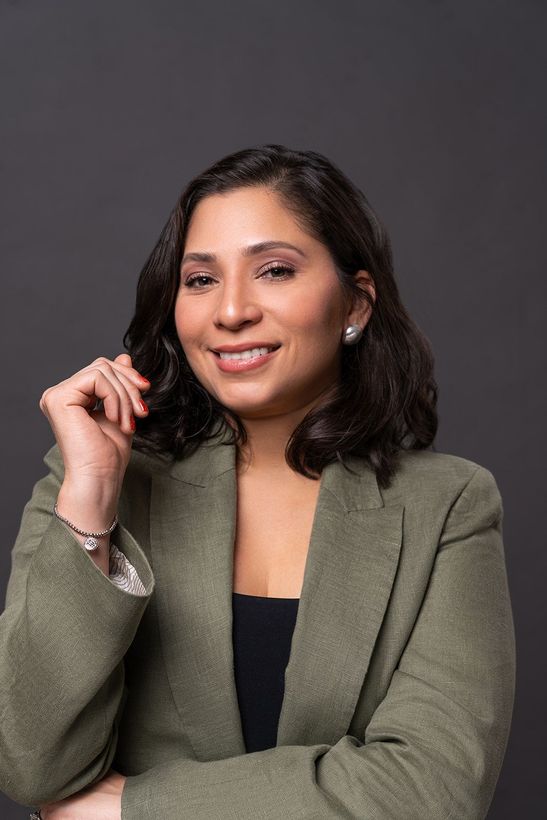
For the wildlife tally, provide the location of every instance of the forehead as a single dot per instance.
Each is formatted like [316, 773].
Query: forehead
[252, 214]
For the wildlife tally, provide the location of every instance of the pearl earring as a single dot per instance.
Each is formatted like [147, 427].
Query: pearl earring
[352, 334]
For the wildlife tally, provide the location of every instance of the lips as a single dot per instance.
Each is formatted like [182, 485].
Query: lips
[241, 365]
[240, 348]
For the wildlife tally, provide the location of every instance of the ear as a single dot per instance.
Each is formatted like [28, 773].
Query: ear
[359, 312]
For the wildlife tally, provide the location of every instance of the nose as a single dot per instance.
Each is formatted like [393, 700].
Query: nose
[236, 305]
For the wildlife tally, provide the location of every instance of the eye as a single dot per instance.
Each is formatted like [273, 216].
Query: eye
[191, 279]
[285, 269]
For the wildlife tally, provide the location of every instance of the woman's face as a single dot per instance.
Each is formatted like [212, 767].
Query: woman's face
[289, 298]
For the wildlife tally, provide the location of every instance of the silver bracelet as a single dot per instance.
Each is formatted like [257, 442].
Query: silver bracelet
[90, 542]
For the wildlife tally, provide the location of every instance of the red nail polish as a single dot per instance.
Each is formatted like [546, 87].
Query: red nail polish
[143, 406]
[133, 423]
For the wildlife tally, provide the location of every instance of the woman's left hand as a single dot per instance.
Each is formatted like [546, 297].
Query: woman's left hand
[99, 801]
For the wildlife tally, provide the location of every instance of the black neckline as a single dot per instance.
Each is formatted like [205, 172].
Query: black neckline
[262, 597]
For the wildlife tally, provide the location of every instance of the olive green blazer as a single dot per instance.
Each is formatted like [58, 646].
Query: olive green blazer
[398, 691]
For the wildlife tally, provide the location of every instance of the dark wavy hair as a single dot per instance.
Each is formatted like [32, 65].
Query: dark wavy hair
[387, 395]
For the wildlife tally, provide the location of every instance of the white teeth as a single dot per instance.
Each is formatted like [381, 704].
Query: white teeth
[246, 354]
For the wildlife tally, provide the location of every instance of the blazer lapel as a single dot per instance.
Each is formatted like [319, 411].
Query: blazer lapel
[192, 522]
[350, 569]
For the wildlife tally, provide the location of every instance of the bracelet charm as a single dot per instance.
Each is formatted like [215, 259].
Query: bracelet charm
[90, 542]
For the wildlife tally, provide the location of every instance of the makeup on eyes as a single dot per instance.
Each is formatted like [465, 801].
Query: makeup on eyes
[287, 270]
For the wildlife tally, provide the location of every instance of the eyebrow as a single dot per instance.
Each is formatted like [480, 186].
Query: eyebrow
[250, 250]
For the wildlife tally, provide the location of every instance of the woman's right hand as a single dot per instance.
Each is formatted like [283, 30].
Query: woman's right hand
[96, 444]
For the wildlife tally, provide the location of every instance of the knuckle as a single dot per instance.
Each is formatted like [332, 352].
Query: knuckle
[99, 371]
[44, 397]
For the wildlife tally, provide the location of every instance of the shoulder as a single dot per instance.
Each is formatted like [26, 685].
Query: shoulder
[432, 475]
[427, 464]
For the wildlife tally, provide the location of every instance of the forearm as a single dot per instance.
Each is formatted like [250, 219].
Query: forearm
[62, 643]
[424, 755]
[383, 780]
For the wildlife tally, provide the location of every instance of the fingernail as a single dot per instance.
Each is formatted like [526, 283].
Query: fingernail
[145, 380]
[143, 405]
[132, 423]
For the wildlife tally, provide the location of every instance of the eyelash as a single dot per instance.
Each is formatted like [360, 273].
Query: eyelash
[286, 268]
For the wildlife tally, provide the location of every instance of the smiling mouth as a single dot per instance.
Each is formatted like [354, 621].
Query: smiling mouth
[247, 363]
[244, 355]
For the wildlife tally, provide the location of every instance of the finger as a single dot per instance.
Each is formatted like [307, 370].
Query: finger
[87, 395]
[130, 395]
[127, 377]
[94, 383]
[82, 390]
[123, 364]
[105, 391]
[139, 406]
[124, 402]
[124, 359]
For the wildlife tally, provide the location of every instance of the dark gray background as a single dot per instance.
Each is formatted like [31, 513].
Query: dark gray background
[435, 109]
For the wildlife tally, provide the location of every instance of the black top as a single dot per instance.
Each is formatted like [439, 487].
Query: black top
[262, 632]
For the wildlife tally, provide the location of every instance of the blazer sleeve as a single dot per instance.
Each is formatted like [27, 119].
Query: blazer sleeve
[64, 632]
[435, 744]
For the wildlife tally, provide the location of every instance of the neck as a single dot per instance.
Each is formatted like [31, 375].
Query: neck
[267, 439]
[264, 451]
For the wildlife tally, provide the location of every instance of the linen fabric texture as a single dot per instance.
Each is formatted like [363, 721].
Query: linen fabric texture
[400, 683]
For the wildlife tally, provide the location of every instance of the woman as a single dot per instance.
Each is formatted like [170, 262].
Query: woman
[304, 609]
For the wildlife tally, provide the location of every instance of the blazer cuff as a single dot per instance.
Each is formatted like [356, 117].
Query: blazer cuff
[61, 555]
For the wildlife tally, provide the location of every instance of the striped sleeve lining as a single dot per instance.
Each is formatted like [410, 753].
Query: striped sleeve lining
[123, 573]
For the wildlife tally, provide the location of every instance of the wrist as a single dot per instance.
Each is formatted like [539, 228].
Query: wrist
[91, 509]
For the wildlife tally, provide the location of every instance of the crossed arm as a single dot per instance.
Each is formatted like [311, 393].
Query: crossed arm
[435, 744]
[433, 748]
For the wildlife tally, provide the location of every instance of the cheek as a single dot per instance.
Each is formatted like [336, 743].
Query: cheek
[187, 324]
[318, 315]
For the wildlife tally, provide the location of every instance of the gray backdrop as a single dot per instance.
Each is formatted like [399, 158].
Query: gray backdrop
[435, 109]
